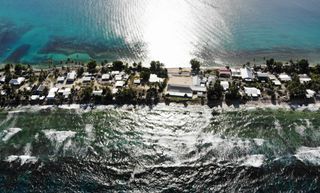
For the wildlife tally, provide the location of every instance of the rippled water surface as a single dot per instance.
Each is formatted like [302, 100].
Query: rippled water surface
[172, 31]
[165, 149]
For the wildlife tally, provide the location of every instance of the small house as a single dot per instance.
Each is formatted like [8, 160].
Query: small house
[17, 82]
[247, 74]
[263, 77]
[154, 78]
[71, 77]
[105, 77]
[284, 77]
[60, 79]
[252, 92]
[179, 91]
[303, 78]
[235, 72]
[224, 72]
[225, 85]
[119, 84]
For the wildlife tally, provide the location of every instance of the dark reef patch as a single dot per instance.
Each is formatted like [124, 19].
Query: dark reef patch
[18, 53]
[110, 49]
[10, 33]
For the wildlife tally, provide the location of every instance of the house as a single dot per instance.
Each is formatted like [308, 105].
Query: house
[97, 92]
[154, 78]
[66, 92]
[86, 79]
[118, 77]
[179, 91]
[235, 72]
[224, 72]
[310, 93]
[137, 81]
[71, 77]
[52, 93]
[119, 84]
[3, 79]
[113, 73]
[60, 79]
[284, 77]
[196, 80]
[247, 74]
[34, 97]
[198, 90]
[105, 77]
[276, 82]
[225, 85]
[40, 89]
[17, 82]
[263, 77]
[252, 92]
[303, 78]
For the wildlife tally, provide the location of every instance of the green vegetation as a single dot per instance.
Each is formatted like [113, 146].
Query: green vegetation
[195, 66]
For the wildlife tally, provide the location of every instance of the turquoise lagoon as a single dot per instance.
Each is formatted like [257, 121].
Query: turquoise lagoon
[173, 31]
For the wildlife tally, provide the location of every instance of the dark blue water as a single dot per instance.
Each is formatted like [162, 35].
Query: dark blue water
[173, 31]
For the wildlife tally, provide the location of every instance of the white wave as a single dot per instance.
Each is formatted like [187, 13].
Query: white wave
[22, 158]
[253, 160]
[309, 155]
[8, 133]
[58, 136]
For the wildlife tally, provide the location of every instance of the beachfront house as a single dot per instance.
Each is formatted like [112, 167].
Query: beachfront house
[71, 77]
[60, 79]
[3, 79]
[235, 72]
[86, 79]
[310, 93]
[284, 77]
[224, 72]
[179, 91]
[303, 78]
[154, 79]
[66, 92]
[225, 85]
[247, 74]
[17, 81]
[199, 91]
[105, 77]
[97, 92]
[263, 77]
[252, 92]
[52, 93]
[119, 84]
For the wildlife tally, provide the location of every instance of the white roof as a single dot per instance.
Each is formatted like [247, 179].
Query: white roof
[60, 79]
[310, 93]
[52, 93]
[304, 78]
[34, 97]
[17, 81]
[3, 79]
[276, 82]
[71, 75]
[105, 76]
[225, 85]
[67, 91]
[86, 79]
[97, 92]
[119, 83]
[118, 77]
[115, 72]
[195, 80]
[136, 81]
[246, 73]
[236, 72]
[114, 90]
[251, 91]
[285, 77]
[154, 78]
[198, 88]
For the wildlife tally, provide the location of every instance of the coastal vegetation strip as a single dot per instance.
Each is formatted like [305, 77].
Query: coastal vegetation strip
[122, 83]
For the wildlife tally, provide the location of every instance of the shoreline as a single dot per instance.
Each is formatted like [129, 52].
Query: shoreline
[311, 107]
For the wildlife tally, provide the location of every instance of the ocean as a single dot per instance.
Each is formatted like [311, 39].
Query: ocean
[172, 31]
[163, 149]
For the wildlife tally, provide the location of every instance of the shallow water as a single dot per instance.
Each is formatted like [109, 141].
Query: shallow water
[164, 149]
[173, 31]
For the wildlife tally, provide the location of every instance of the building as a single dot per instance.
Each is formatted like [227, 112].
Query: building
[284, 77]
[200, 91]
[252, 92]
[225, 85]
[71, 77]
[303, 78]
[86, 79]
[235, 72]
[310, 94]
[52, 93]
[119, 84]
[118, 77]
[97, 92]
[247, 74]
[262, 76]
[179, 91]
[137, 81]
[17, 82]
[60, 79]
[224, 72]
[105, 77]
[154, 78]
